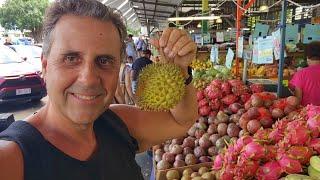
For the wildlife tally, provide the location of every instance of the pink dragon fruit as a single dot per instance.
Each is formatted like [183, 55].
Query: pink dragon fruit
[300, 153]
[315, 144]
[203, 102]
[215, 104]
[245, 97]
[235, 82]
[254, 151]
[218, 162]
[290, 165]
[256, 88]
[228, 173]
[213, 92]
[298, 136]
[216, 83]
[226, 88]
[200, 95]
[204, 111]
[240, 90]
[262, 135]
[314, 125]
[229, 99]
[269, 171]
[244, 140]
[312, 110]
[271, 152]
[276, 135]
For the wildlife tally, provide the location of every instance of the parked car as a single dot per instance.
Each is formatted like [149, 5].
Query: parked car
[31, 54]
[18, 79]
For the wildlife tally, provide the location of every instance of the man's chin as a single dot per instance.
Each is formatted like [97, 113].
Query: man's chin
[82, 118]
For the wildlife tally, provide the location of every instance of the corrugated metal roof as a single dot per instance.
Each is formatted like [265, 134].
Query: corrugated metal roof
[138, 12]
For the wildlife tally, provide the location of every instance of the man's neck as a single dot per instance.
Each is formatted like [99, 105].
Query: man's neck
[58, 125]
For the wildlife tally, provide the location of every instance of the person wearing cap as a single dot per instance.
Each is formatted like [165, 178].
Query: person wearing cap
[138, 65]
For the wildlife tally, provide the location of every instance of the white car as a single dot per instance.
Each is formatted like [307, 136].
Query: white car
[31, 54]
[19, 80]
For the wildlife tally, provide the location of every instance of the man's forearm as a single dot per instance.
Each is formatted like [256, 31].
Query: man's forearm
[186, 112]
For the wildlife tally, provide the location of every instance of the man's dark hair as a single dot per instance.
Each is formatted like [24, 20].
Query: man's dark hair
[146, 52]
[313, 50]
[130, 57]
[81, 8]
[130, 35]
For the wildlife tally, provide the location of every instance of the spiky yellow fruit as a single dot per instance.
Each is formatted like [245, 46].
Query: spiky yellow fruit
[160, 87]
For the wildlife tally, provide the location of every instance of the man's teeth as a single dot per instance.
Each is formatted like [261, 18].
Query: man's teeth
[85, 97]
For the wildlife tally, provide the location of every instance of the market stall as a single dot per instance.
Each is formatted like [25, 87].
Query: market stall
[251, 125]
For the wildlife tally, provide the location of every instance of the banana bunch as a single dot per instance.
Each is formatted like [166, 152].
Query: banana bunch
[255, 71]
[201, 65]
[314, 168]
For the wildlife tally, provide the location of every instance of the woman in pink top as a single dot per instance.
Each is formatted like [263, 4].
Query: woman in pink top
[306, 82]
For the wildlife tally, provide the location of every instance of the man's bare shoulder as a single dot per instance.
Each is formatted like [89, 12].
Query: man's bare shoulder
[11, 161]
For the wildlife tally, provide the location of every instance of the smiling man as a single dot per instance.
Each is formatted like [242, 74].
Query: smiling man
[77, 134]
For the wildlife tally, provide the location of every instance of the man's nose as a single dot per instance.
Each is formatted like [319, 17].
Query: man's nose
[89, 75]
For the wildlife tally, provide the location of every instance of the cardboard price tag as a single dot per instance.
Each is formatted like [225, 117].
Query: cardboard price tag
[229, 58]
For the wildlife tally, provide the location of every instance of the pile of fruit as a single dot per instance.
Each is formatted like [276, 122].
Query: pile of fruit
[206, 138]
[271, 153]
[210, 134]
[201, 78]
[203, 173]
[199, 65]
[263, 109]
[222, 95]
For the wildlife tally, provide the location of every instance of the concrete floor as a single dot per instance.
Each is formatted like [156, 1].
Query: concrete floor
[22, 110]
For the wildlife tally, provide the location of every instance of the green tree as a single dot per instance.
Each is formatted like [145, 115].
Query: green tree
[24, 14]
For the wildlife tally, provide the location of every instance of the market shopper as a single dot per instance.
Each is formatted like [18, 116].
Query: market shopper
[77, 134]
[131, 47]
[141, 46]
[306, 82]
[125, 81]
[138, 65]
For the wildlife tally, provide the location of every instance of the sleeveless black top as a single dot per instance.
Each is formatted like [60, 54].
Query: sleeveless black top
[114, 158]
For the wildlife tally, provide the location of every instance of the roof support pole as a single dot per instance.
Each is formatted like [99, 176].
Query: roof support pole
[282, 47]
[240, 13]
[205, 11]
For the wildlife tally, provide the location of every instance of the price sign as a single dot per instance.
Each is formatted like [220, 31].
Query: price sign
[260, 30]
[311, 33]
[240, 47]
[214, 54]
[292, 32]
[229, 58]
[220, 36]
[265, 50]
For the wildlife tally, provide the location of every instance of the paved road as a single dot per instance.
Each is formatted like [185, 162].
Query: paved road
[22, 110]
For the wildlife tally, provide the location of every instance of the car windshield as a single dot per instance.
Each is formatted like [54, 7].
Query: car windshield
[28, 51]
[8, 56]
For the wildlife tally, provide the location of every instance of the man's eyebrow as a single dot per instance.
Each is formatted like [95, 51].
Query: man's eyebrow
[72, 52]
[109, 56]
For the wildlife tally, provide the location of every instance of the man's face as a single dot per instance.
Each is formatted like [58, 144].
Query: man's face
[82, 68]
[129, 60]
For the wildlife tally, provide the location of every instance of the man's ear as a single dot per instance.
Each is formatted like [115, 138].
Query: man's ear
[44, 63]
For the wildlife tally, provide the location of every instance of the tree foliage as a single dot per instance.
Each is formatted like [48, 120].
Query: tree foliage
[24, 14]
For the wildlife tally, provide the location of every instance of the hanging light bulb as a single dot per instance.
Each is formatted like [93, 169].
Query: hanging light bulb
[199, 25]
[219, 20]
[264, 8]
